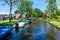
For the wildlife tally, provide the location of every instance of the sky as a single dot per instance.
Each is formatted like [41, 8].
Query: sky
[36, 4]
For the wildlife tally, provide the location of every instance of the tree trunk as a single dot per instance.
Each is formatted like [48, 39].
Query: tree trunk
[10, 11]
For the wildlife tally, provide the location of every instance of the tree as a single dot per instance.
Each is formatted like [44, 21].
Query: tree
[39, 12]
[36, 13]
[58, 12]
[21, 6]
[17, 11]
[28, 6]
[25, 6]
[11, 3]
[45, 14]
[52, 6]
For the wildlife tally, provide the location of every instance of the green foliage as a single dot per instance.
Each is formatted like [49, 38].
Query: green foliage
[55, 23]
[21, 6]
[22, 20]
[25, 6]
[52, 6]
[16, 11]
[36, 12]
[58, 17]
[28, 8]
[11, 3]
[49, 19]
[58, 12]
[7, 23]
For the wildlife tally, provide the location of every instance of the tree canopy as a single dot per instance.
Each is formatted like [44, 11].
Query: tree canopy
[52, 6]
[11, 3]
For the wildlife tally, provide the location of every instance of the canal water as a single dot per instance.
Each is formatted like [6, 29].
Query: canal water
[39, 30]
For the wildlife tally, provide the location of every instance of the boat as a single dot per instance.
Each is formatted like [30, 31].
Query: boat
[28, 21]
[4, 31]
[20, 24]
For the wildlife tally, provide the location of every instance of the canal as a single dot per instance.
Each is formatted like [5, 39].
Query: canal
[39, 30]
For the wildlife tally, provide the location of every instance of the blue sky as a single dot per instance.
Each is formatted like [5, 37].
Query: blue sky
[36, 4]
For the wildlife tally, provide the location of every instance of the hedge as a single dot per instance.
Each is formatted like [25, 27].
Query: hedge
[7, 23]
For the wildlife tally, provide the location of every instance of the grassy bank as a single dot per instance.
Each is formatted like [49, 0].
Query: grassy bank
[7, 23]
[53, 22]
[11, 23]
[22, 20]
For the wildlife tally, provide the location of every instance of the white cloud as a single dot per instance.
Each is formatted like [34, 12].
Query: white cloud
[58, 5]
[2, 12]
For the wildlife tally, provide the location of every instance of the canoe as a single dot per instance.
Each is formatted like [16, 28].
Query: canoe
[28, 21]
[4, 31]
[20, 24]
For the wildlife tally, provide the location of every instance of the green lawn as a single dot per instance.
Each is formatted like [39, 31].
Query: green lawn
[7, 23]
[22, 20]
[11, 23]
[53, 22]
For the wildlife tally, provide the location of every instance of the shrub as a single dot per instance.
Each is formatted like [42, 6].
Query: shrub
[58, 17]
[22, 20]
[53, 19]
[50, 19]
[7, 23]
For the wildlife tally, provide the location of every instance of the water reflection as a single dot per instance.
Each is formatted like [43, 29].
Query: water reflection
[51, 33]
[45, 27]
[27, 34]
[38, 30]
